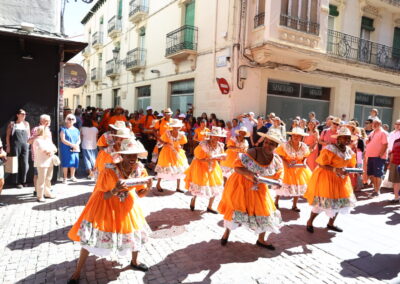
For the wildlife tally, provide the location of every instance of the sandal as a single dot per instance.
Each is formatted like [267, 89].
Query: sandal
[310, 229]
[260, 244]
[179, 190]
[224, 242]
[209, 210]
[141, 267]
[295, 209]
[334, 228]
[160, 189]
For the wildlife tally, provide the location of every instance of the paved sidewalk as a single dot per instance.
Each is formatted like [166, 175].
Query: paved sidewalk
[185, 246]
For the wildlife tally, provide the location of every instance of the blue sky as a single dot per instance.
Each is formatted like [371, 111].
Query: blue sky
[74, 13]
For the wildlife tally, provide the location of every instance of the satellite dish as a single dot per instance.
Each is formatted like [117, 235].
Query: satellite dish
[74, 75]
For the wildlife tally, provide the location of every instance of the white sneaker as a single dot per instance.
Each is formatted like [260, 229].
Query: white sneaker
[64, 181]
[73, 179]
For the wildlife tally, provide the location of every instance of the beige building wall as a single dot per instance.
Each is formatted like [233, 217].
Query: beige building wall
[247, 56]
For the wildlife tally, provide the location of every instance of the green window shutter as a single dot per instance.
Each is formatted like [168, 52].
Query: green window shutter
[189, 14]
[120, 9]
[396, 42]
[333, 11]
[367, 24]
[101, 20]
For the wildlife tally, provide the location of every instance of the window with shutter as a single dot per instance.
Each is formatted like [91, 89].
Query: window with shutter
[396, 43]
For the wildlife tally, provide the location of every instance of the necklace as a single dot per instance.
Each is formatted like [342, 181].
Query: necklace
[341, 149]
[125, 174]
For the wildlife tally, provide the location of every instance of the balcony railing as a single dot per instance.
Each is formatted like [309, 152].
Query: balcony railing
[112, 68]
[136, 58]
[135, 8]
[259, 20]
[97, 38]
[184, 38]
[299, 24]
[393, 2]
[96, 74]
[114, 25]
[357, 49]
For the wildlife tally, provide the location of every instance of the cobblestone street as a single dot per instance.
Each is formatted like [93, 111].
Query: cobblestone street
[185, 245]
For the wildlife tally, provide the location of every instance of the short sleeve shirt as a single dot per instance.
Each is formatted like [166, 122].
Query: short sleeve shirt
[377, 140]
[326, 136]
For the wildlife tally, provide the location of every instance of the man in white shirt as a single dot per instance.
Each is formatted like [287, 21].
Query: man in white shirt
[247, 120]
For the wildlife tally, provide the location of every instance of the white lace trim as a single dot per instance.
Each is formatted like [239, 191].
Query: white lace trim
[292, 153]
[257, 224]
[227, 171]
[212, 152]
[177, 138]
[291, 190]
[331, 213]
[244, 145]
[205, 190]
[270, 170]
[346, 155]
[171, 170]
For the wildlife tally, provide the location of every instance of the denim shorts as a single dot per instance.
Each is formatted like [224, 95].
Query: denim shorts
[376, 167]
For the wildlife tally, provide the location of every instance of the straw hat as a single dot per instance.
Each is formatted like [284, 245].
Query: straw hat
[297, 131]
[132, 146]
[243, 129]
[337, 120]
[119, 124]
[124, 133]
[182, 115]
[344, 131]
[351, 124]
[272, 135]
[175, 123]
[168, 111]
[217, 131]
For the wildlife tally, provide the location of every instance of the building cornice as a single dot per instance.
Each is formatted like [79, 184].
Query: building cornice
[94, 9]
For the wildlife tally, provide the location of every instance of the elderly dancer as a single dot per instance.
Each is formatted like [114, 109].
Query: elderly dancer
[172, 161]
[297, 174]
[204, 176]
[112, 221]
[330, 189]
[235, 146]
[247, 202]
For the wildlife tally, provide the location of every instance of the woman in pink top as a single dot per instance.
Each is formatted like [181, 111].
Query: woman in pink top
[312, 142]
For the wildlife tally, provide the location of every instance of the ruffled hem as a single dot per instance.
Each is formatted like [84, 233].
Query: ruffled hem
[257, 224]
[226, 171]
[205, 190]
[333, 206]
[170, 176]
[103, 243]
[171, 170]
[291, 190]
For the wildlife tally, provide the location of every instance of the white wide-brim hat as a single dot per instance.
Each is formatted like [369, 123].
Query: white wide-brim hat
[272, 135]
[243, 129]
[119, 124]
[344, 131]
[168, 111]
[176, 123]
[297, 131]
[132, 146]
[149, 108]
[124, 133]
[217, 131]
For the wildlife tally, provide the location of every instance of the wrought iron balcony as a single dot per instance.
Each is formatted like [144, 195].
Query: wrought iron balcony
[96, 74]
[137, 12]
[114, 27]
[259, 20]
[182, 41]
[97, 40]
[361, 50]
[135, 59]
[299, 24]
[112, 68]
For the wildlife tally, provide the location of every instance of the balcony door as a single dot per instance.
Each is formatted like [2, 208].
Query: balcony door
[189, 21]
[367, 26]
[142, 44]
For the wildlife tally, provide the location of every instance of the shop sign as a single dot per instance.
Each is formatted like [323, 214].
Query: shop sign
[364, 99]
[283, 88]
[383, 101]
[316, 93]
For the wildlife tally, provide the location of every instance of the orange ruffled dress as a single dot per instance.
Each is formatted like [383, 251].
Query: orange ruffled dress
[295, 179]
[248, 204]
[232, 155]
[327, 192]
[172, 162]
[205, 178]
[113, 226]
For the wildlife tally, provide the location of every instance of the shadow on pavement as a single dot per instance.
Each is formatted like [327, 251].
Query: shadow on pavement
[17, 198]
[62, 204]
[196, 257]
[56, 237]
[378, 266]
[170, 222]
[60, 273]
[155, 193]
[380, 208]
[288, 214]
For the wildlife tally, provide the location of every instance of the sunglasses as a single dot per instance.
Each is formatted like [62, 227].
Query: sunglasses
[23, 113]
[337, 124]
[70, 119]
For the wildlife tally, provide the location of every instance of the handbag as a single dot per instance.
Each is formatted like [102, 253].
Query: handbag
[56, 160]
[11, 165]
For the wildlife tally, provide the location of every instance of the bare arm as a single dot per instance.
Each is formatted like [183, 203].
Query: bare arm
[8, 138]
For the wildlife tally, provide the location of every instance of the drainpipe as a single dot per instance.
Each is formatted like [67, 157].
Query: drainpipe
[215, 42]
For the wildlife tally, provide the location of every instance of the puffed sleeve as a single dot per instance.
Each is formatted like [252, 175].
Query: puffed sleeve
[106, 181]
[230, 143]
[183, 139]
[353, 161]
[165, 138]
[279, 168]
[142, 175]
[325, 158]
[306, 151]
[280, 151]
[199, 153]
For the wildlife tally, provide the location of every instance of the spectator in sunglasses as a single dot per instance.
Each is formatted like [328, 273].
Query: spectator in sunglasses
[69, 147]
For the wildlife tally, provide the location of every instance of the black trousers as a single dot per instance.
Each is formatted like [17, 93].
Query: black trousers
[149, 145]
[21, 151]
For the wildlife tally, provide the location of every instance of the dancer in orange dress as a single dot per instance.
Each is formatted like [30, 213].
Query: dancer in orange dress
[204, 176]
[297, 174]
[112, 221]
[329, 189]
[172, 162]
[235, 146]
[312, 142]
[247, 202]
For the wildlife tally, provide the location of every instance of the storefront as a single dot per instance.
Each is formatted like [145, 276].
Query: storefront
[288, 100]
[365, 102]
